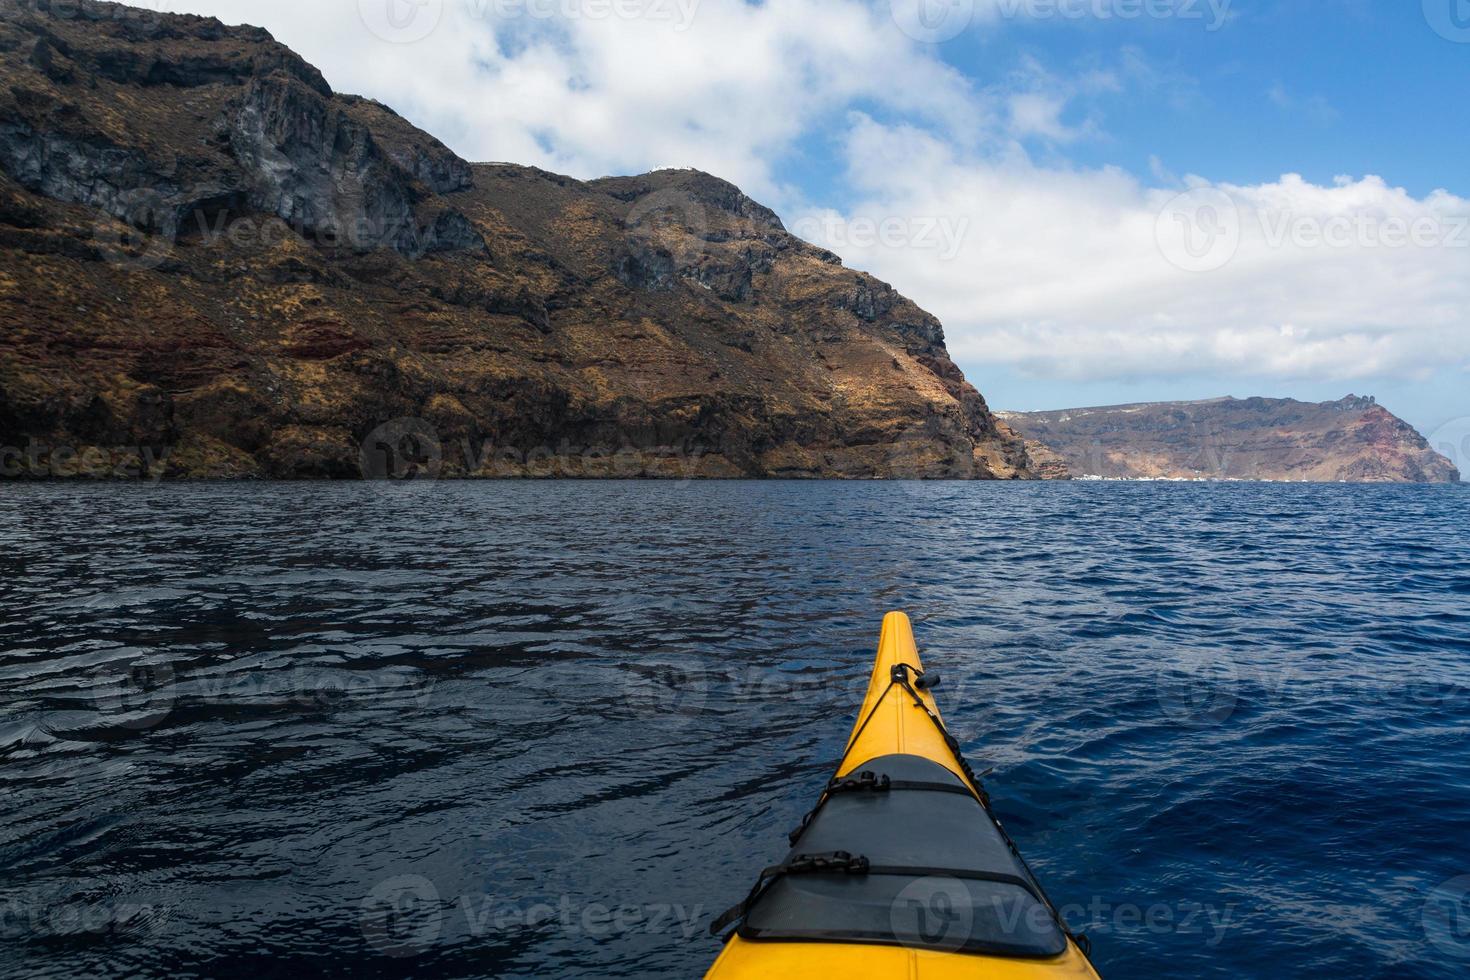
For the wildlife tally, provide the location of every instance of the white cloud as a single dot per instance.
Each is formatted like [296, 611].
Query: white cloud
[1068, 272]
[1036, 113]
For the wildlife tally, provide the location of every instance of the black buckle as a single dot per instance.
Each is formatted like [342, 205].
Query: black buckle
[921, 681]
[822, 863]
[866, 781]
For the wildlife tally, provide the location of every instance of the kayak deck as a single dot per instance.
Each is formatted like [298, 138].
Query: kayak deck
[900, 870]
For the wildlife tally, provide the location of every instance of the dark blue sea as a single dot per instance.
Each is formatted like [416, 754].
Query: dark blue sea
[552, 729]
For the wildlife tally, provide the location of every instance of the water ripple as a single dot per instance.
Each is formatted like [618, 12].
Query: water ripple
[552, 729]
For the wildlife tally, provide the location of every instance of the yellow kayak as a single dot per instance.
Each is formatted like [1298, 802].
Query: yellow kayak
[901, 870]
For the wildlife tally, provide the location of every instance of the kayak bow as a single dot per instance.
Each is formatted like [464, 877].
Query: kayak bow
[901, 869]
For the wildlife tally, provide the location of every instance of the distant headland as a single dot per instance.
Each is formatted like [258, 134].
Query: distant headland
[1353, 440]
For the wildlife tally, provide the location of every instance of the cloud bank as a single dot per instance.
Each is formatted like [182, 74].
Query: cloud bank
[1093, 274]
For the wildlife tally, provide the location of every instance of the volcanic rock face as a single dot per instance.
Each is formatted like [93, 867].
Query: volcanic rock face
[207, 254]
[1354, 440]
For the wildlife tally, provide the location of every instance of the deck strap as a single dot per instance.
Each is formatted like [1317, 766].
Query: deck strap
[842, 862]
[869, 782]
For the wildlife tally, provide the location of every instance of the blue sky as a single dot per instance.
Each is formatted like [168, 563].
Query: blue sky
[1127, 208]
[1363, 87]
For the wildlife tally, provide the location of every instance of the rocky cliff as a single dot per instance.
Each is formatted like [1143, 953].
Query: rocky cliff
[1354, 439]
[211, 264]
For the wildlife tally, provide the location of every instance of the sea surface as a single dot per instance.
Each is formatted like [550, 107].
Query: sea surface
[552, 729]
